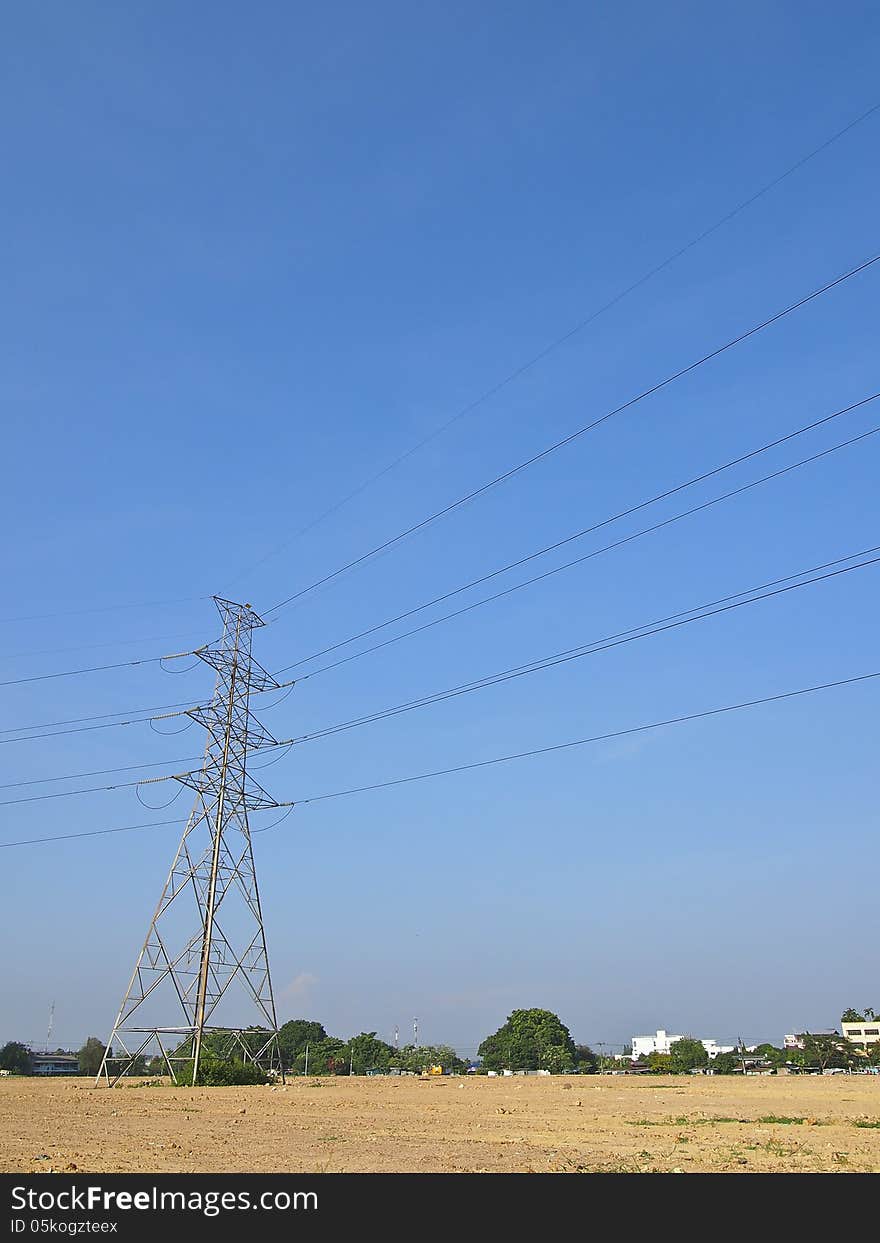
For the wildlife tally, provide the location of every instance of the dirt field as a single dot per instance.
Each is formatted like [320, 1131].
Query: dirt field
[589, 1123]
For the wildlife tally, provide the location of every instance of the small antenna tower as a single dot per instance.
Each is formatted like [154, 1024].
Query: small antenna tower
[51, 1024]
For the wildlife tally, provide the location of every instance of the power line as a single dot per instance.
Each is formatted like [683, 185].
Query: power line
[596, 526]
[597, 552]
[567, 440]
[121, 785]
[521, 370]
[505, 759]
[107, 608]
[123, 664]
[582, 742]
[495, 388]
[713, 608]
[697, 612]
[98, 772]
[85, 647]
[88, 729]
[64, 837]
[157, 715]
[101, 716]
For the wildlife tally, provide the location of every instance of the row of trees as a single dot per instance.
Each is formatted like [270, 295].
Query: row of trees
[529, 1040]
[16, 1057]
[825, 1052]
[306, 1045]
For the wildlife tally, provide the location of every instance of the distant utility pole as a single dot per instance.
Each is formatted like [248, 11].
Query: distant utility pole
[51, 1022]
[306, 1071]
[196, 955]
[351, 1064]
[416, 1033]
[396, 1036]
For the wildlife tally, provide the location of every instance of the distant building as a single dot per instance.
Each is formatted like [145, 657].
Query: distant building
[798, 1040]
[713, 1048]
[862, 1034]
[54, 1064]
[662, 1042]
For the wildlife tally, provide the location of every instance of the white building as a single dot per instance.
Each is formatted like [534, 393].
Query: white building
[662, 1042]
[862, 1034]
[797, 1040]
[713, 1048]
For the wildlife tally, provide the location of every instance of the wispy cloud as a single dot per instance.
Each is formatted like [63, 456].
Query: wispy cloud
[299, 986]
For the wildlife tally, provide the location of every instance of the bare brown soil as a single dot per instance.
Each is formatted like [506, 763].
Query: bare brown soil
[595, 1123]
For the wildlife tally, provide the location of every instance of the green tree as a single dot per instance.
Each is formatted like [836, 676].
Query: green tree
[852, 1016]
[726, 1064]
[90, 1056]
[222, 1072]
[294, 1035]
[368, 1052]
[525, 1040]
[659, 1063]
[557, 1059]
[687, 1054]
[326, 1057]
[419, 1058]
[586, 1061]
[826, 1052]
[772, 1054]
[16, 1058]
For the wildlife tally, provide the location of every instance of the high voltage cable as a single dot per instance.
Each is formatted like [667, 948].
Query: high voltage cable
[88, 729]
[674, 621]
[107, 608]
[97, 772]
[506, 380]
[567, 440]
[84, 647]
[505, 759]
[123, 664]
[625, 513]
[101, 716]
[642, 631]
[503, 383]
[645, 630]
[158, 715]
[582, 742]
[561, 340]
[597, 552]
[105, 716]
[64, 837]
[120, 785]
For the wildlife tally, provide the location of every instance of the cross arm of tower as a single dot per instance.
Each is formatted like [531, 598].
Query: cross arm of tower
[249, 732]
[250, 672]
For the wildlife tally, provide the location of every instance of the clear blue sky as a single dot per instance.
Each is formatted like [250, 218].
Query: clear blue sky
[252, 255]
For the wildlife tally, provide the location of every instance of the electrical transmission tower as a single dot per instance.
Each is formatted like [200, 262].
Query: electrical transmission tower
[204, 957]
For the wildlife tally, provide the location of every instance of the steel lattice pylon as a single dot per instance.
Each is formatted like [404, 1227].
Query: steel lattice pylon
[205, 951]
